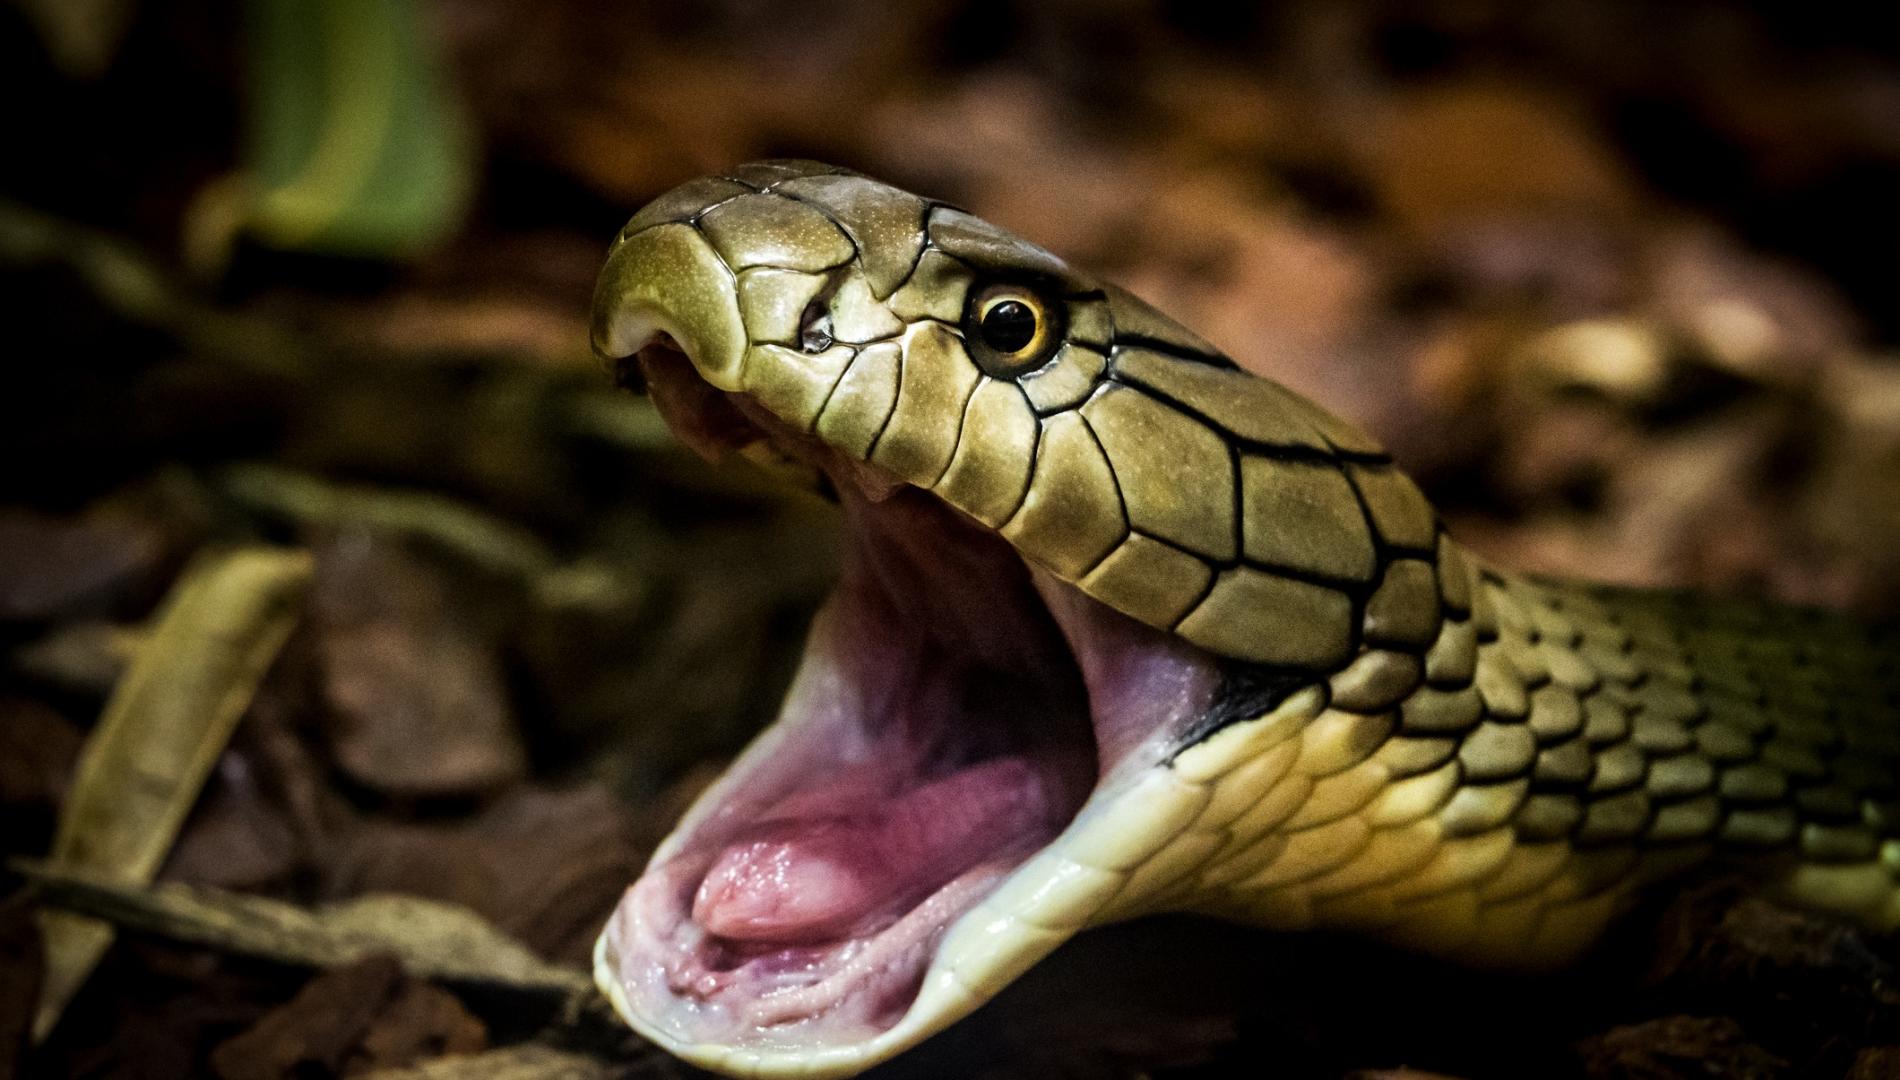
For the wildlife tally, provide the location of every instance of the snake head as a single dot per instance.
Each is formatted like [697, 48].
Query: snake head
[1081, 545]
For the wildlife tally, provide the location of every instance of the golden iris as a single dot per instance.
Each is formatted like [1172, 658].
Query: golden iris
[1011, 328]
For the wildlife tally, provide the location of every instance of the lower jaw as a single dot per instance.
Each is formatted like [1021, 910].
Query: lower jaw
[838, 1005]
[710, 977]
[971, 939]
[873, 982]
[982, 786]
[872, 996]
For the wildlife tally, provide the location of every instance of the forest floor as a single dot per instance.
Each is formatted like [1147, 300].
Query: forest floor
[1614, 284]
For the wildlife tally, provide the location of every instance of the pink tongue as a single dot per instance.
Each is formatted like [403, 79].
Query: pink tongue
[812, 879]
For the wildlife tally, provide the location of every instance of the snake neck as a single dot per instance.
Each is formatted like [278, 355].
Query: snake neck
[1498, 790]
[1126, 628]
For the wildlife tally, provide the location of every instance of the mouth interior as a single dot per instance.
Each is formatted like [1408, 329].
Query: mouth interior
[953, 712]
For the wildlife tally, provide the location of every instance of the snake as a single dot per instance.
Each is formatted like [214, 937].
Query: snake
[1124, 629]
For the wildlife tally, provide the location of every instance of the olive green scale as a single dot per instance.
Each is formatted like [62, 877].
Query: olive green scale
[1461, 738]
[1656, 723]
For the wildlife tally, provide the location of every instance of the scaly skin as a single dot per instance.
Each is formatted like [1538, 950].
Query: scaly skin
[1566, 744]
[1446, 755]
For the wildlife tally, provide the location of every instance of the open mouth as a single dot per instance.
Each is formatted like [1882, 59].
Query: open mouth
[955, 711]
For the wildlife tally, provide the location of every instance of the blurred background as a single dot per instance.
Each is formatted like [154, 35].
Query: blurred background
[1614, 280]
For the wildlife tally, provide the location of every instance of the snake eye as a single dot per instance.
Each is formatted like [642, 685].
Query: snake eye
[1009, 326]
[1010, 330]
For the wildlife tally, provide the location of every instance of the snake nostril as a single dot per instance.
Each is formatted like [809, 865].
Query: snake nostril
[814, 328]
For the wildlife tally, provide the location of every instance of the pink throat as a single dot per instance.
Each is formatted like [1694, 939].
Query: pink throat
[953, 712]
[831, 864]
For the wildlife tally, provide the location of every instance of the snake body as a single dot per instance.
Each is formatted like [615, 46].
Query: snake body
[1408, 742]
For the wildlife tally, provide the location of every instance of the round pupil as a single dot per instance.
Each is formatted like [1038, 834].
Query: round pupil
[1009, 326]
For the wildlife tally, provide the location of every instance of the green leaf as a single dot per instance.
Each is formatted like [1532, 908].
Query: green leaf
[357, 145]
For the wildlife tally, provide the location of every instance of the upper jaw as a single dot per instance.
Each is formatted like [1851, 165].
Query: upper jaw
[667, 280]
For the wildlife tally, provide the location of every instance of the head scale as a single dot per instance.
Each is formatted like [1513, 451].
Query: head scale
[1107, 443]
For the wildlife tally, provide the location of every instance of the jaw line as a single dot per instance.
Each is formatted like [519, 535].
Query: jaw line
[1087, 875]
[1060, 890]
[1055, 892]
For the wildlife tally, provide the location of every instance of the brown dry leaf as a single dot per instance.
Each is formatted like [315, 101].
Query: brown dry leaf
[545, 866]
[240, 836]
[435, 941]
[357, 1018]
[52, 567]
[527, 1061]
[1679, 1046]
[162, 731]
[1482, 149]
[417, 703]
[38, 746]
[1858, 443]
